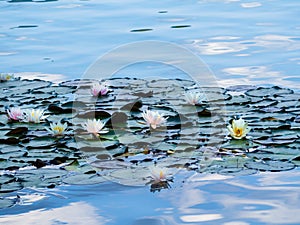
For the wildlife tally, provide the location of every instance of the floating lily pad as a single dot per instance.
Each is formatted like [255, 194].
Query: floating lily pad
[81, 179]
[130, 176]
[7, 202]
[237, 171]
[273, 142]
[273, 166]
[265, 92]
[110, 164]
[10, 187]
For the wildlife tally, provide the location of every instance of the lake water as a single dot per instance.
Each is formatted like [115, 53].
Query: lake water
[253, 42]
[241, 42]
[265, 198]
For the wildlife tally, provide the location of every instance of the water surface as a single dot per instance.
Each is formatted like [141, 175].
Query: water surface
[264, 198]
[253, 42]
[242, 42]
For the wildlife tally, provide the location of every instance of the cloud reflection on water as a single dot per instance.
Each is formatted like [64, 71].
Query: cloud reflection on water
[227, 45]
[268, 198]
[55, 78]
[251, 4]
[263, 198]
[257, 75]
[75, 213]
[214, 48]
[252, 51]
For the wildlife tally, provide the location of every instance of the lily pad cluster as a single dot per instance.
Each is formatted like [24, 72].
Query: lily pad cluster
[194, 137]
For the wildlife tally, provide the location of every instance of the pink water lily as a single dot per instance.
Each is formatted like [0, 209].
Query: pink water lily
[99, 90]
[15, 114]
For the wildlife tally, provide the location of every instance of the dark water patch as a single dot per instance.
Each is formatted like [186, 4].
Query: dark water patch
[37, 1]
[141, 30]
[24, 26]
[180, 26]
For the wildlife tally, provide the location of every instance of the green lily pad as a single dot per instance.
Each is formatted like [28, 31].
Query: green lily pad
[7, 202]
[265, 92]
[130, 176]
[273, 166]
[10, 187]
[82, 179]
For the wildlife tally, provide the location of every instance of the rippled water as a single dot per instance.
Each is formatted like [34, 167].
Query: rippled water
[265, 198]
[252, 42]
[257, 42]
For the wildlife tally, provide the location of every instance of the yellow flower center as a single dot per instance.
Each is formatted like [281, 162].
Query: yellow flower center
[161, 175]
[58, 129]
[238, 132]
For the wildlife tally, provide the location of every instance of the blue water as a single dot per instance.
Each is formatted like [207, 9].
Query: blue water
[257, 42]
[242, 42]
[265, 198]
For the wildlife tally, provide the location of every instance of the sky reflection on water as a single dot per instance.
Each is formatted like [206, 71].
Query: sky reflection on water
[62, 37]
[264, 198]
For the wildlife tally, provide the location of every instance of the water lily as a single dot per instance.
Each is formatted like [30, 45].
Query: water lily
[15, 114]
[99, 90]
[194, 98]
[6, 77]
[94, 127]
[153, 118]
[238, 128]
[158, 174]
[57, 128]
[34, 115]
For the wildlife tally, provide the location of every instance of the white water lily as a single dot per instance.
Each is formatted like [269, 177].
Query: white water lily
[15, 114]
[158, 174]
[6, 77]
[57, 128]
[34, 115]
[98, 90]
[94, 127]
[238, 128]
[153, 118]
[194, 98]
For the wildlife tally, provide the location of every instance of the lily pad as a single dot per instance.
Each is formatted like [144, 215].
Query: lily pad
[273, 166]
[265, 92]
[81, 179]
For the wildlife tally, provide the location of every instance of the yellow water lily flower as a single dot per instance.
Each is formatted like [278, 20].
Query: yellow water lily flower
[153, 118]
[6, 77]
[94, 127]
[238, 128]
[57, 128]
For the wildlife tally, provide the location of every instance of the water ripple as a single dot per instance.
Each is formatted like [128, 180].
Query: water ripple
[251, 4]
[257, 198]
